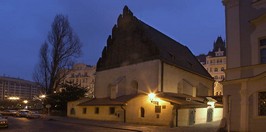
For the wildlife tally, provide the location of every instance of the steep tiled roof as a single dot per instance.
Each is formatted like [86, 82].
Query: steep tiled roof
[133, 41]
[173, 52]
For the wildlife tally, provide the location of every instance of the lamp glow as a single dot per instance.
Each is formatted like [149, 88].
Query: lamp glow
[151, 96]
[25, 101]
[42, 96]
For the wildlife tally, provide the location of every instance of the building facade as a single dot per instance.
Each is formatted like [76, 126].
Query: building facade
[143, 76]
[215, 63]
[14, 87]
[245, 84]
[83, 75]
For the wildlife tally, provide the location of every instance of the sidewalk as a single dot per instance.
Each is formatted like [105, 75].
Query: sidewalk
[208, 127]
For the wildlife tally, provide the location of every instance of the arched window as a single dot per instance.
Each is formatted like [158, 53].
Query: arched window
[142, 112]
[72, 111]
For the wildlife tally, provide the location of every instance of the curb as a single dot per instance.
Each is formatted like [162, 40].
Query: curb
[92, 124]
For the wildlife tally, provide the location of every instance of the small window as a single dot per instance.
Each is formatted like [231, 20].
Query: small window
[216, 70]
[142, 112]
[164, 107]
[84, 110]
[112, 110]
[262, 104]
[97, 110]
[157, 115]
[222, 69]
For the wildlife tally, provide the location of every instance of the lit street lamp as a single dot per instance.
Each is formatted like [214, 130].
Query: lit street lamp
[25, 102]
[42, 96]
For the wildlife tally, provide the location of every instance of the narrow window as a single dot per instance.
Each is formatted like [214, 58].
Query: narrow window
[142, 112]
[263, 51]
[262, 104]
[84, 110]
[112, 110]
[97, 110]
[222, 77]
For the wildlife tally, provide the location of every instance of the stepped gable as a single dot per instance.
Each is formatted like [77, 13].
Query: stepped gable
[132, 41]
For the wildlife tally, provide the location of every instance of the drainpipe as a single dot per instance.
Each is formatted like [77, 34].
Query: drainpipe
[124, 113]
[176, 117]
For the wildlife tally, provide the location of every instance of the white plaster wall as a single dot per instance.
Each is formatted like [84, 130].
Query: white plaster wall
[183, 117]
[201, 115]
[259, 33]
[217, 114]
[146, 74]
[103, 113]
[173, 75]
[133, 112]
[73, 104]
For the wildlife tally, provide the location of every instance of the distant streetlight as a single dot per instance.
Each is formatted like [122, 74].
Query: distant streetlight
[42, 96]
[25, 101]
[13, 98]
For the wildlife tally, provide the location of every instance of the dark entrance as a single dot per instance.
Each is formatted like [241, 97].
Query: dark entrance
[209, 115]
[192, 116]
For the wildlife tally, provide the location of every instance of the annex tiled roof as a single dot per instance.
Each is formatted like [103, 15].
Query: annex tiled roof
[122, 100]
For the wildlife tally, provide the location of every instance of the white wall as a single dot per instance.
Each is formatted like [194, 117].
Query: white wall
[175, 77]
[145, 73]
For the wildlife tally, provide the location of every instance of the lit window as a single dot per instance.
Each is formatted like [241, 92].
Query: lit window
[262, 104]
[222, 77]
[263, 51]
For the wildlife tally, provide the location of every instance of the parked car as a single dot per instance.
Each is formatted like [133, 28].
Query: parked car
[12, 112]
[3, 121]
[22, 113]
[33, 115]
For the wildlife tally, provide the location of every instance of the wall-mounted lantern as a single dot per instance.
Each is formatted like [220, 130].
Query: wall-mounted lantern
[152, 98]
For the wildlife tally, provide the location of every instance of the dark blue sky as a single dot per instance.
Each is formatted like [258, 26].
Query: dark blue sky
[24, 25]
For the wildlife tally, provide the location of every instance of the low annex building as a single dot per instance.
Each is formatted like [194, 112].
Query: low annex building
[143, 76]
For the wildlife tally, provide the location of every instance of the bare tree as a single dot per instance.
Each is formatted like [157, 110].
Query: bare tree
[57, 54]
